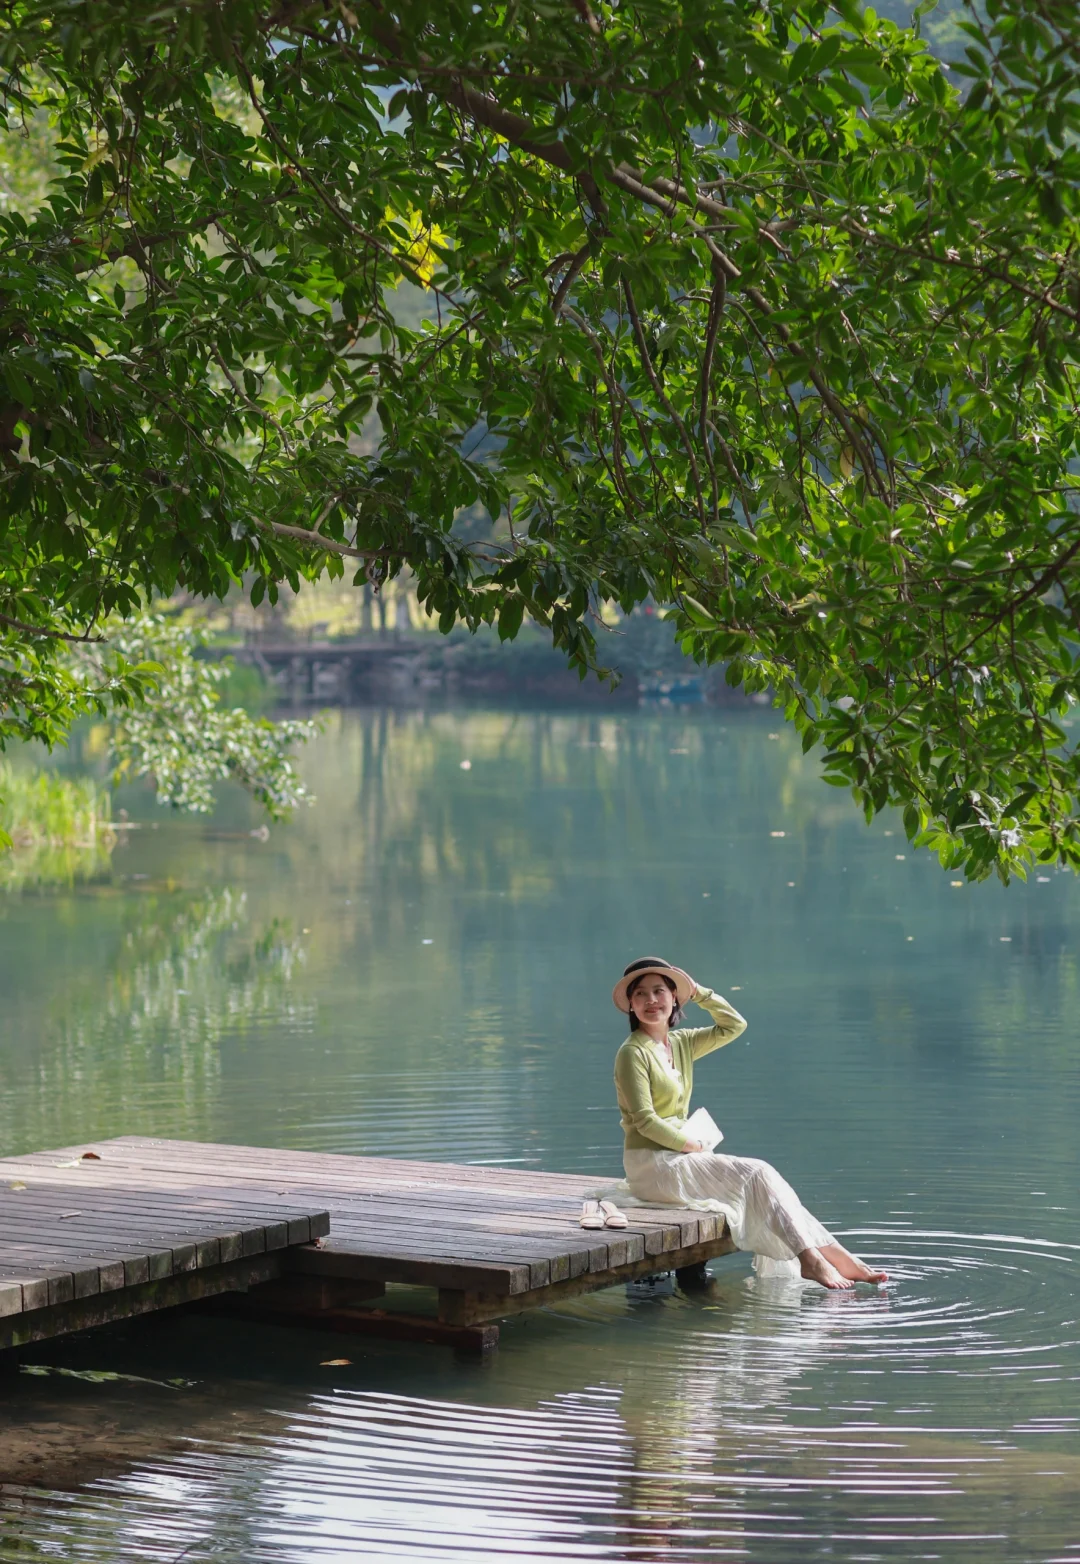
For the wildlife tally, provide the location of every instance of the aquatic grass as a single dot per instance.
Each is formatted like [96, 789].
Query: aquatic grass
[57, 829]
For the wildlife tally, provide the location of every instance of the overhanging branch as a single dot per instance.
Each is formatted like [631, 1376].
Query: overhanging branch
[317, 540]
[42, 630]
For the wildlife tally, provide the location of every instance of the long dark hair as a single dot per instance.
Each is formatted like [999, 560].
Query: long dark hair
[676, 1011]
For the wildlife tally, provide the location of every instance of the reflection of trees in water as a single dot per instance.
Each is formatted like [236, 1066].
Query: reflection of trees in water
[148, 1033]
[545, 813]
[47, 865]
[526, 859]
[551, 797]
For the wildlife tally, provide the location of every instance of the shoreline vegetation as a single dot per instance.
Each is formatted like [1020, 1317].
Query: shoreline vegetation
[59, 829]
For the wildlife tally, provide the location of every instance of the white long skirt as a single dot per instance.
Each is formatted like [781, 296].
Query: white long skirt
[765, 1215]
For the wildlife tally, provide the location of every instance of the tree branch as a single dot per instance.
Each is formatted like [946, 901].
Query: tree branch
[654, 381]
[664, 194]
[53, 635]
[577, 261]
[316, 539]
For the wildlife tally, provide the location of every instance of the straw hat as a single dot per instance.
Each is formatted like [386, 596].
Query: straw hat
[684, 985]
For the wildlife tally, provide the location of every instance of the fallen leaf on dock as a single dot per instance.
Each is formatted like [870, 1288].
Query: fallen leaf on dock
[335, 1363]
[89, 1156]
[17, 1185]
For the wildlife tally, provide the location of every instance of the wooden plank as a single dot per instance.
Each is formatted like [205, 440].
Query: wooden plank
[376, 1242]
[126, 1226]
[261, 1184]
[526, 1239]
[553, 1238]
[482, 1194]
[405, 1215]
[114, 1269]
[361, 1175]
[497, 1232]
[434, 1270]
[383, 1178]
[503, 1215]
[467, 1308]
[376, 1237]
[143, 1231]
[68, 1237]
[97, 1214]
[194, 1209]
[61, 1319]
[11, 1296]
[201, 1152]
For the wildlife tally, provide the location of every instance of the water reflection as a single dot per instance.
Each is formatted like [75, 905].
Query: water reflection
[185, 972]
[755, 1421]
[420, 966]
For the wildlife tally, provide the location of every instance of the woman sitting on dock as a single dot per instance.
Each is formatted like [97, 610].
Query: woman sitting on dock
[654, 1076]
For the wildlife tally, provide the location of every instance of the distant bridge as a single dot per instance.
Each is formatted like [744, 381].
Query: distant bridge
[305, 672]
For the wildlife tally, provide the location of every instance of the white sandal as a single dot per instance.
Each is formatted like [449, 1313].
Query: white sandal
[613, 1217]
[591, 1215]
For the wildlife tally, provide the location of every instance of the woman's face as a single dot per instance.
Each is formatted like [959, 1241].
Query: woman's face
[652, 1001]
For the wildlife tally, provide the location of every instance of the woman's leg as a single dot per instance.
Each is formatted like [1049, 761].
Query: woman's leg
[814, 1241]
[777, 1208]
[764, 1213]
[773, 1204]
[774, 1220]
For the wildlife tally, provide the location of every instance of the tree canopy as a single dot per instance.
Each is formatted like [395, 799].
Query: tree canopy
[754, 306]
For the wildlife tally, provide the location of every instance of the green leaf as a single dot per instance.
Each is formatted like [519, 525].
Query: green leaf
[510, 616]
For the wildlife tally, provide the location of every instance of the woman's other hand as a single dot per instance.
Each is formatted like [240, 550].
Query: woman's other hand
[693, 1145]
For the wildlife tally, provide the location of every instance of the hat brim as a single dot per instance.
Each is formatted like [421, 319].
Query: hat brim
[684, 985]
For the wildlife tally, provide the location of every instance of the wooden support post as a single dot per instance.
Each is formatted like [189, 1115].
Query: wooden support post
[382, 1324]
[691, 1278]
[390, 1326]
[298, 1300]
[330, 1304]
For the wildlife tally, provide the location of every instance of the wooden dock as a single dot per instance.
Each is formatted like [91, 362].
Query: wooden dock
[103, 1231]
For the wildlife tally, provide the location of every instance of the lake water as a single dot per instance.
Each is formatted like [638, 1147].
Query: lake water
[421, 966]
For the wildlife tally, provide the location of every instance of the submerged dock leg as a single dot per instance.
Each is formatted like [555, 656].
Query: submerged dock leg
[692, 1278]
[336, 1304]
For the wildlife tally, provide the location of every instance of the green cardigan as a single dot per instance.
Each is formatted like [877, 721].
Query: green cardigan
[653, 1103]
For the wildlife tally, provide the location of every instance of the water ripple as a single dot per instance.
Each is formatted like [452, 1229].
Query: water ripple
[756, 1420]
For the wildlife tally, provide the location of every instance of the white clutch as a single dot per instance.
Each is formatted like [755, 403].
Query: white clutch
[703, 1127]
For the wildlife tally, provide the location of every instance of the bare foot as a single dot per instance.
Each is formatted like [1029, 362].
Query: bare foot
[815, 1268]
[850, 1265]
